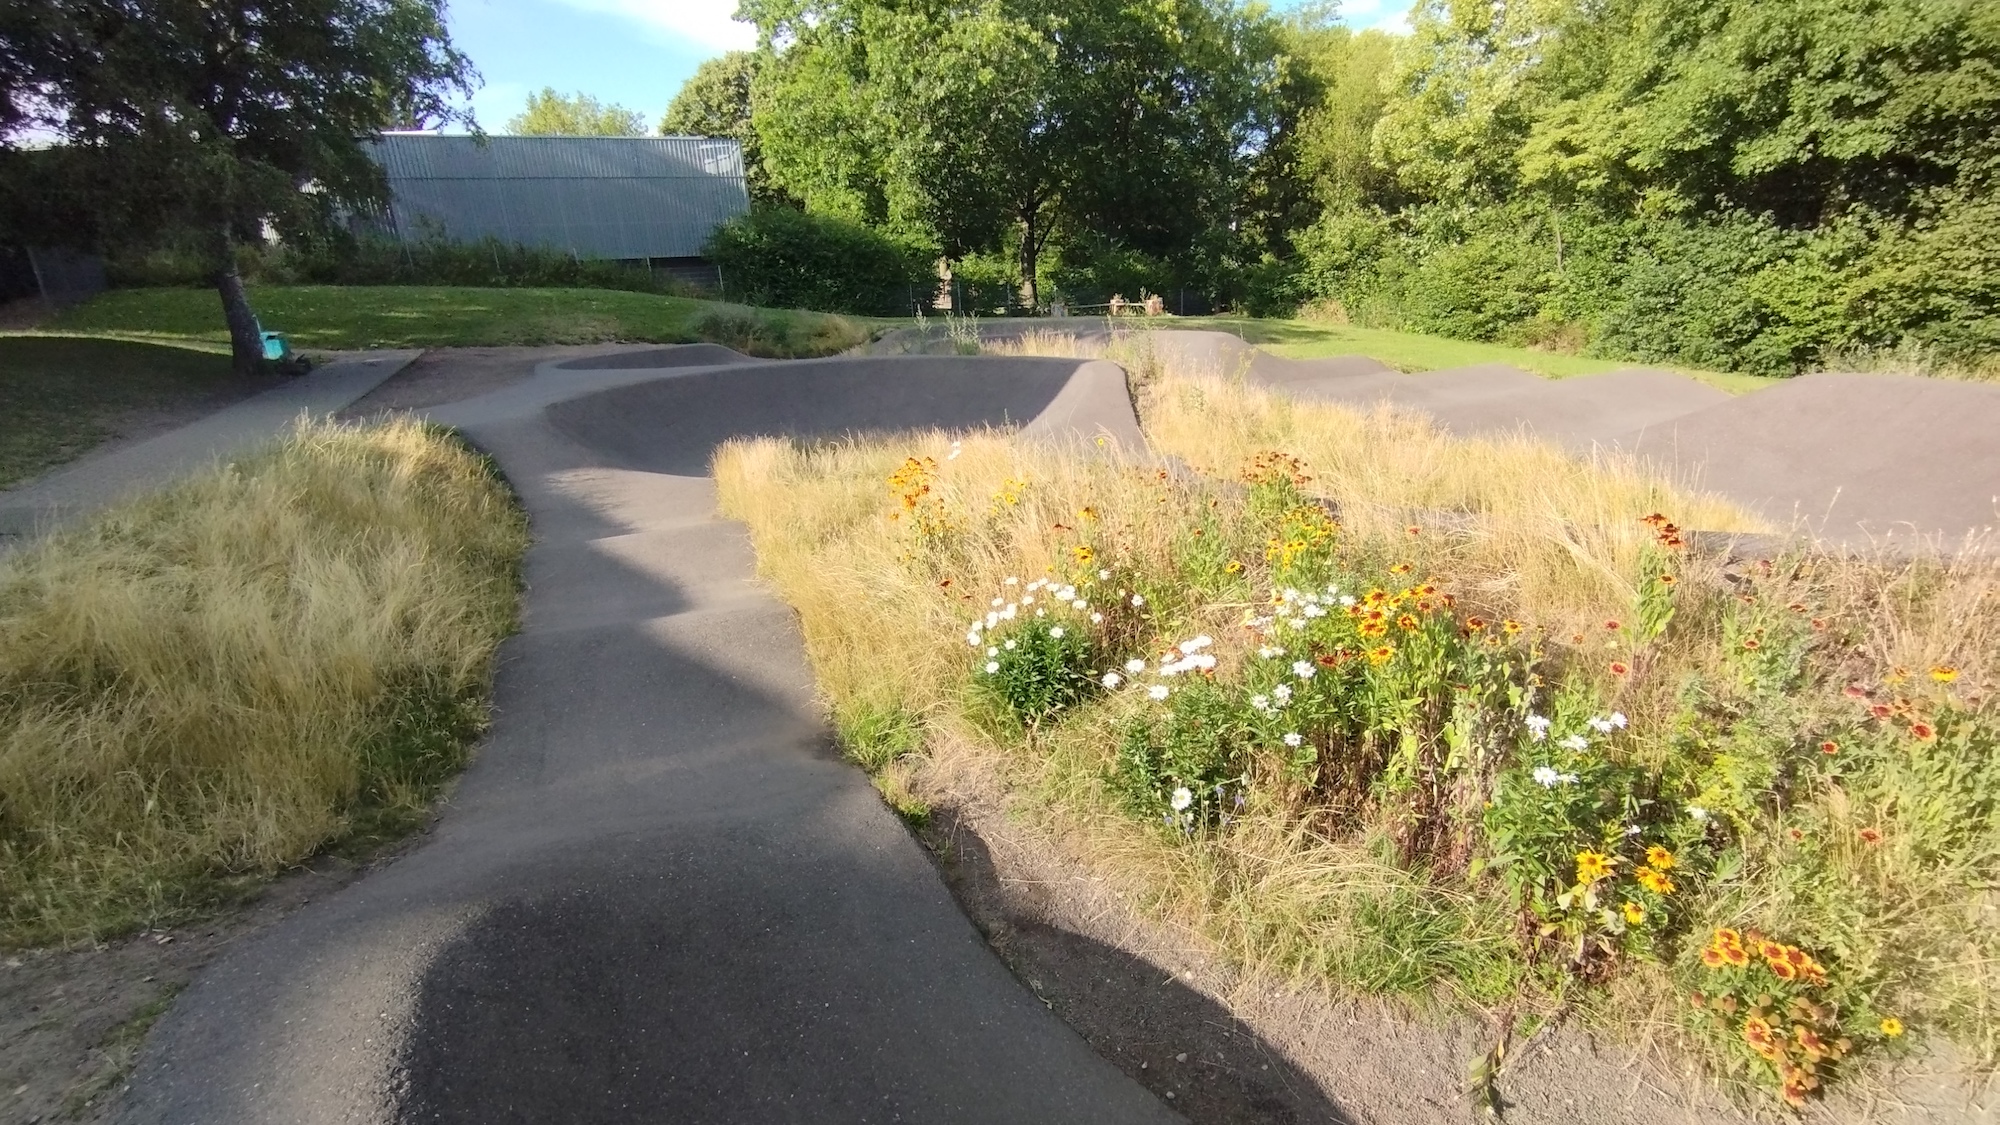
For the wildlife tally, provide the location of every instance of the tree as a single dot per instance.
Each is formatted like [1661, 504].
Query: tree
[549, 114]
[211, 119]
[715, 102]
[991, 122]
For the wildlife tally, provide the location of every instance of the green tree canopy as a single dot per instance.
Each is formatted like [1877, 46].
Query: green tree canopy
[549, 114]
[715, 102]
[211, 119]
[987, 122]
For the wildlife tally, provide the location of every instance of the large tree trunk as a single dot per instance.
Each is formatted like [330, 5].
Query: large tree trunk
[246, 346]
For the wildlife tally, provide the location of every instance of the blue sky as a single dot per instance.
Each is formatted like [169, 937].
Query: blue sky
[637, 52]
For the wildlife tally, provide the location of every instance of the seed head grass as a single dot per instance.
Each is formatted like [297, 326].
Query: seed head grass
[212, 681]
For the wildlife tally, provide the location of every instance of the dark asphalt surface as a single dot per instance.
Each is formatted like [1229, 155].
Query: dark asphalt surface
[657, 895]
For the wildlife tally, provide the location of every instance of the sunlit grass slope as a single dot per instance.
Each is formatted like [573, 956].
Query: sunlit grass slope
[215, 680]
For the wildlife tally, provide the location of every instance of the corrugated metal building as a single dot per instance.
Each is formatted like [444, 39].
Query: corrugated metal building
[626, 198]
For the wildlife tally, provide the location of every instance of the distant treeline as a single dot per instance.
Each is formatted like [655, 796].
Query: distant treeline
[1761, 185]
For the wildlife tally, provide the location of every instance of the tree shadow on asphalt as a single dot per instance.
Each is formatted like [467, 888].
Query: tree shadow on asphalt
[1176, 1041]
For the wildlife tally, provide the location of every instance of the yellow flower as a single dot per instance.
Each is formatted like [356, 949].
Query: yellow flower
[1654, 881]
[1634, 914]
[1381, 655]
[1891, 1026]
[1660, 858]
[1087, 514]
[1592, 866]
[1234, 567]
[1083, 554]
[1944, 673]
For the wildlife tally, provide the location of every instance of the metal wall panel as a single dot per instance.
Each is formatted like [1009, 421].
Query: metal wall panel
[595, 197]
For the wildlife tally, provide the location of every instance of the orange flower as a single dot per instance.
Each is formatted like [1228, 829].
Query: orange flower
[1612, 626]
[1881, 711]
[1854, 691]
[1620, 668]
[1829, 747]
[1752, 644]
[1944, 673]
[1924, 731]
[1592, 866]
[1712, 957]
[1809, 1041]
[1380, 656]
[1654, 520]
[1871, 835]
[1668, 580]
[1657, 882]
[1763, 1038]
[1474, 624]
[1819, 624]
[1407, 622]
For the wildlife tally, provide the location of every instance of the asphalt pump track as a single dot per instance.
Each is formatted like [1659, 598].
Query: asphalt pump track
[659, 895]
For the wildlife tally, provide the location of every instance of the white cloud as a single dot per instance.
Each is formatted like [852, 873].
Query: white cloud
[700, 23]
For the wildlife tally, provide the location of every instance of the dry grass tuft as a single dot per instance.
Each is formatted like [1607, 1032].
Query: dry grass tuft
[219, 678]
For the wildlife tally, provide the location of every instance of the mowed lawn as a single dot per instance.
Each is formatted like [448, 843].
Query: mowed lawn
[59, 396]
[332, 317]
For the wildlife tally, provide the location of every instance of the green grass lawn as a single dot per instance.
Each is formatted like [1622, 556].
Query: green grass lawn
[403, 316]
[60, 396]
[1408, 351]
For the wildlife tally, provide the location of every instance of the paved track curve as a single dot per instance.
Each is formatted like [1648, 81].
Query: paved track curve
[658, 894]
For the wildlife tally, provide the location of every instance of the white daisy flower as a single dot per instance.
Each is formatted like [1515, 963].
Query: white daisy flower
[1056, 632]
[1697, 812]
[992, 666]
[1157, 691]
[1181, 799]
[972, 638]
[1538, 727]
[1293, 739]
[1138, 600]
[998, 602]
[1601, 726]
[992, 651]
[1135, 666]
[1303, 669]
[1282, 693]
[1013, 580]
[1575, 742]
[1112, 679]
[1546, 777]
[1618, 719]
[1104, 576]
[1097, 619]
[1009, 646]
[1347, 601]
[1260, 703]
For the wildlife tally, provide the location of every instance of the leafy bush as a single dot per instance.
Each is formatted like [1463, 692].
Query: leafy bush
[1728, 291]
[782, 258]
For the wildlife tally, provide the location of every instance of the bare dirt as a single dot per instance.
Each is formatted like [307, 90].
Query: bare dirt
[72, 1019]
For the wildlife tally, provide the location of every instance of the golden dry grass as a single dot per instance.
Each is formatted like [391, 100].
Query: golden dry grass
[221, 677]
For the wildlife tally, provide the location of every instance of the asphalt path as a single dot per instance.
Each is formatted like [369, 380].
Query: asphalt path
[658, 894]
